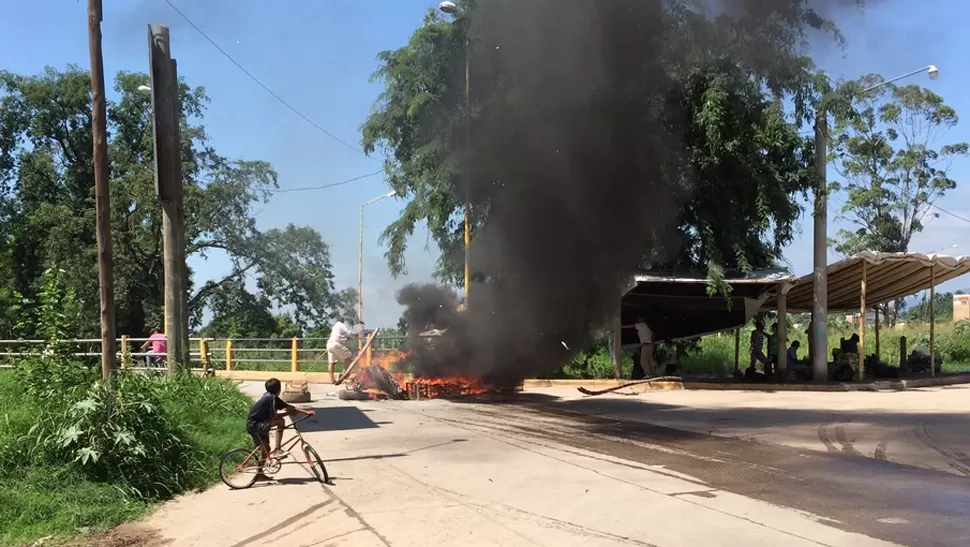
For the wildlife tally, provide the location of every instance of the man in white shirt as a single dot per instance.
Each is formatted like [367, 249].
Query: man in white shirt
[336, 350]
[646, 344]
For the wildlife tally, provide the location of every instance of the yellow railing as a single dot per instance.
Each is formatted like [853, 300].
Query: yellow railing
[274, 354]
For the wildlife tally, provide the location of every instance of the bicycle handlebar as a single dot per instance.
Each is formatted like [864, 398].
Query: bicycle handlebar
[296, 421]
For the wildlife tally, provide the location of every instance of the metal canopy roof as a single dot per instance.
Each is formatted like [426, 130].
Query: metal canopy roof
[678, 307]
[888, 276]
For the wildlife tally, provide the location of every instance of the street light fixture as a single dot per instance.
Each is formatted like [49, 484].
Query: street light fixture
[930, 70]
[144, 89]
[360, 266]
[820, 331]
[451, 8]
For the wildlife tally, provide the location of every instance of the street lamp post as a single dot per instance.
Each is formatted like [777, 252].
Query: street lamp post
[819, 334]
[360, 266]
[452, 9]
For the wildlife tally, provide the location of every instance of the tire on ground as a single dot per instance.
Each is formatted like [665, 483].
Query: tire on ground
[351, 395]
[295, 397]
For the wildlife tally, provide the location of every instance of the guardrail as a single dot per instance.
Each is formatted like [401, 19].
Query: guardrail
[264, 354]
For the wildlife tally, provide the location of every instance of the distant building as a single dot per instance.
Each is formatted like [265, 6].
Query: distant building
[961, 307]
[853, 318]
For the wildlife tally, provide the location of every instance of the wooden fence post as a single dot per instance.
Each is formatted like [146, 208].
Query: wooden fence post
[229, 365]
[204, 355]
[125, 352]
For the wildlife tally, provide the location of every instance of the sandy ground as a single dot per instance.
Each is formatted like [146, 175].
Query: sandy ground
[438, 473]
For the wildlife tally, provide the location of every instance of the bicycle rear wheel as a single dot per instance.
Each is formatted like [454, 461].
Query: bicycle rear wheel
[238, 468]
[316, 464]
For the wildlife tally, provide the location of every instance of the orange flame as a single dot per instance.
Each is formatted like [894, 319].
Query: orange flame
[428, 387]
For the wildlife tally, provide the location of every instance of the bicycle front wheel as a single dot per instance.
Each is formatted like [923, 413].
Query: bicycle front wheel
[316, 464]
[238, 468]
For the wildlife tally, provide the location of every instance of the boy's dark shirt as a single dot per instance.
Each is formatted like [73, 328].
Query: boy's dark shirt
[265, 408]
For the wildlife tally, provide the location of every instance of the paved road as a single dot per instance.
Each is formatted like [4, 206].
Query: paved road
[928, 428]
[533, 472]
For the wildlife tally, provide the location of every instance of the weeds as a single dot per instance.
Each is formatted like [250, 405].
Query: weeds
[713, 355]
[79, 453]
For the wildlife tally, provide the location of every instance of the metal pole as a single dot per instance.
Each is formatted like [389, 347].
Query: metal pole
[616, 340]
[933, 320]
[862, 323]
[468, 148]
[820, 305]
[781, 367]
[360, 281]
[102, 195]
[878, 347]
[737, 352]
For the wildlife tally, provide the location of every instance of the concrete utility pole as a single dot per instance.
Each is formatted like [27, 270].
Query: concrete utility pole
[102, 196]
[820, 329]
[451, 8]
[166, 113]
[819, 334]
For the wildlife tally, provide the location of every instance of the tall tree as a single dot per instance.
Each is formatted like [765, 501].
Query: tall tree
[47, 206]
[892, 164]
[741, 149]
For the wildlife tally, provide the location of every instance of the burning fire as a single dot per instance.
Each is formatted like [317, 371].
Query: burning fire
[409, 386]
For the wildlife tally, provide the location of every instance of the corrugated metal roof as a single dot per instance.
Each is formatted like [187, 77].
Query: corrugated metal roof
[888, 276]
[775, 275]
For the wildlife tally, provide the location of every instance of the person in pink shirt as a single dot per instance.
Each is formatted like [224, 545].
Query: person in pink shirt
[158, 343]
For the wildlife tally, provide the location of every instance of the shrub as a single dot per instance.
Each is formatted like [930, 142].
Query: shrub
[52, 376]
[118, 433]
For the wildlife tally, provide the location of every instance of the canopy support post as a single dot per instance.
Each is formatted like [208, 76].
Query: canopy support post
[862, 323]
[737, 351]
[933, 320]
[877, 309]
[781, 367]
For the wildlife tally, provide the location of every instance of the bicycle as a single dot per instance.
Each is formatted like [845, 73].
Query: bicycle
[247, 469]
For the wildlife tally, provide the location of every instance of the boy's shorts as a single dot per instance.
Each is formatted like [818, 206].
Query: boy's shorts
[259, 431]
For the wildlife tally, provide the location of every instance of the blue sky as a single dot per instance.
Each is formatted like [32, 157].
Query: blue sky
[318, 55]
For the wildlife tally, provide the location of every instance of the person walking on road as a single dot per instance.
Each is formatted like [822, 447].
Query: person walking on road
[336, 350]
[757, 348]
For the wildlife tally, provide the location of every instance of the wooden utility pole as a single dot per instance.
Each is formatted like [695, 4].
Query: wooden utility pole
[166, 113]
[102, 196]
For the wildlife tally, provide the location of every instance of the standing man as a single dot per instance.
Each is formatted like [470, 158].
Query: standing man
[646, 344]
[757, 348]
[336, 350]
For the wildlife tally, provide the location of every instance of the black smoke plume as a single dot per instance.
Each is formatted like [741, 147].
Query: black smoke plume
[574, 169]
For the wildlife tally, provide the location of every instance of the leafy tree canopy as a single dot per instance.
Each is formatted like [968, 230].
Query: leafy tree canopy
[894, 162]
[739, 148]
[47, 211]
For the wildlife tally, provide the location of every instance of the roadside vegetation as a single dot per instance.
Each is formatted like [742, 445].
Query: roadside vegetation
[714, 355]
[80, 454]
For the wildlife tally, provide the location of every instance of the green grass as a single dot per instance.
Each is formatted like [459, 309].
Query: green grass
[43, 492]
[714, 355]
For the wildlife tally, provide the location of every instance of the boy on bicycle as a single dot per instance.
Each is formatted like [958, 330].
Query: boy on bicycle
[268, 412]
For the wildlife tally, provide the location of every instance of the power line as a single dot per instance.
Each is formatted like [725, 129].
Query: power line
[330, 185]
[954, 215]
[262, 85]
